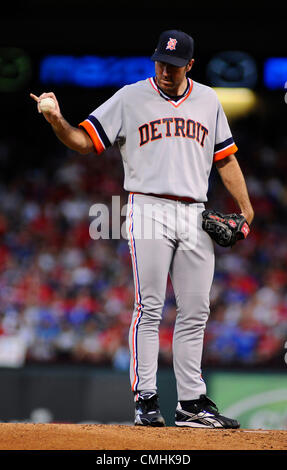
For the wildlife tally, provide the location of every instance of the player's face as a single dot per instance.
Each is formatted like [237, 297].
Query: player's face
[172, 79]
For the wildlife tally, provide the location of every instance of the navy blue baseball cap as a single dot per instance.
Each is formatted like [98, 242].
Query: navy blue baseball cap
[174, 47]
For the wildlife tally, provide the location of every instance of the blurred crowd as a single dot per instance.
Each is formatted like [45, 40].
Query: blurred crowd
[66, 297]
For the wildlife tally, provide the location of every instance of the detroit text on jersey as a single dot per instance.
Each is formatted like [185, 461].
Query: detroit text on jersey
[172, 126]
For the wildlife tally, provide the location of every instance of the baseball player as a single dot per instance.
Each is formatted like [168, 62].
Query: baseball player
[170, 130]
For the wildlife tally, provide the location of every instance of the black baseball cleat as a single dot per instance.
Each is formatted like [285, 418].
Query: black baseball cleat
[147, 412]
[202, 413]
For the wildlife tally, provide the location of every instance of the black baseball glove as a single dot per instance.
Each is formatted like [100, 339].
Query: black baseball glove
[225, 229]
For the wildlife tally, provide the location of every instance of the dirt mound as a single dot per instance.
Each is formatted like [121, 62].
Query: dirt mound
[28, 436]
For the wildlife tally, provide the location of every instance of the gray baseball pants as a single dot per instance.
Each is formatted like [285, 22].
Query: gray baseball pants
[166, 237]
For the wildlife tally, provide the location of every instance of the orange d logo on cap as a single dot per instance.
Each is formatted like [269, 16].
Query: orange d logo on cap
[171, 44]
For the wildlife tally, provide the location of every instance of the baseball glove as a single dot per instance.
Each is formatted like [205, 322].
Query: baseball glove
[225, 229]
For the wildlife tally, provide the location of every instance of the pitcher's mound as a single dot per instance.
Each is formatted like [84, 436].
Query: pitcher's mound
[28, 436]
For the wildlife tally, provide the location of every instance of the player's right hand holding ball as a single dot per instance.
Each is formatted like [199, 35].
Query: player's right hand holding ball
[48, 105]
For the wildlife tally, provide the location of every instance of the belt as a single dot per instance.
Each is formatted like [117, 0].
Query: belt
[169, 196]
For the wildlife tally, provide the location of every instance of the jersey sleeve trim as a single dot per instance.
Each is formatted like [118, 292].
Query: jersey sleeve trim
[223, 145]
[224, 149]
[95, 130]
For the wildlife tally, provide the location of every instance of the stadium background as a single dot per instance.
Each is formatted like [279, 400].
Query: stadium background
[66, 299]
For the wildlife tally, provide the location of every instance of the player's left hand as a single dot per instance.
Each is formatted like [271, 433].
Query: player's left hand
[225, 229]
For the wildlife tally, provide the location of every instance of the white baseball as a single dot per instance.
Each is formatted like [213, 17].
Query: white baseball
[47, 104]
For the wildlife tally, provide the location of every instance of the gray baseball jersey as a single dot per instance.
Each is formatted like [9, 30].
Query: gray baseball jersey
[168, 147]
